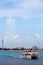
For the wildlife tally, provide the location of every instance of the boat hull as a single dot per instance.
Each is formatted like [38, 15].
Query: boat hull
[30, 55]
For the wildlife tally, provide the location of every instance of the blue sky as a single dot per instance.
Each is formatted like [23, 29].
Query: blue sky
[21, 23]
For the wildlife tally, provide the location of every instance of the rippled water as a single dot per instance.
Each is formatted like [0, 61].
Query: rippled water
[13, 58]
[11, 53]
[15, 53]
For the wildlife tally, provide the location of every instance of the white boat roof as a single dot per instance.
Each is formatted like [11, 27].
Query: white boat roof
[26, 53]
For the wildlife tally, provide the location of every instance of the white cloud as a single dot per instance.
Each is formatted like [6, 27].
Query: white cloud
[27, 9]
[15, 37]
[37, 35]
[10, 25]
[5, 39]
[10, 21]
[11, 37]
[31, 4]
[18, 40]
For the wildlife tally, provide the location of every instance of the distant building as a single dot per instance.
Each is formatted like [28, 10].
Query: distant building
[20, 48]
[35, 48]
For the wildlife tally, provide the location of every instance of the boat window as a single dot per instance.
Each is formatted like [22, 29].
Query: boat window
[27, 54]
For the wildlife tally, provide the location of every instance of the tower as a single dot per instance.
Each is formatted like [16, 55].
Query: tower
[2, 44]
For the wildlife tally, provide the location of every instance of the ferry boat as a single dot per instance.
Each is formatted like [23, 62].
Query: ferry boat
[30, 55]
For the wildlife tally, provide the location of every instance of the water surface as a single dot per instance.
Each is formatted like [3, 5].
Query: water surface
[14, 58]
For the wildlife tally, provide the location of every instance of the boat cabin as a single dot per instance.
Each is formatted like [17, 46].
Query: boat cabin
[30, 55]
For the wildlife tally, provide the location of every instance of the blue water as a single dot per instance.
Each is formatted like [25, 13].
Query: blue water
[11, 53]
[15, 53]
[8, 57]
